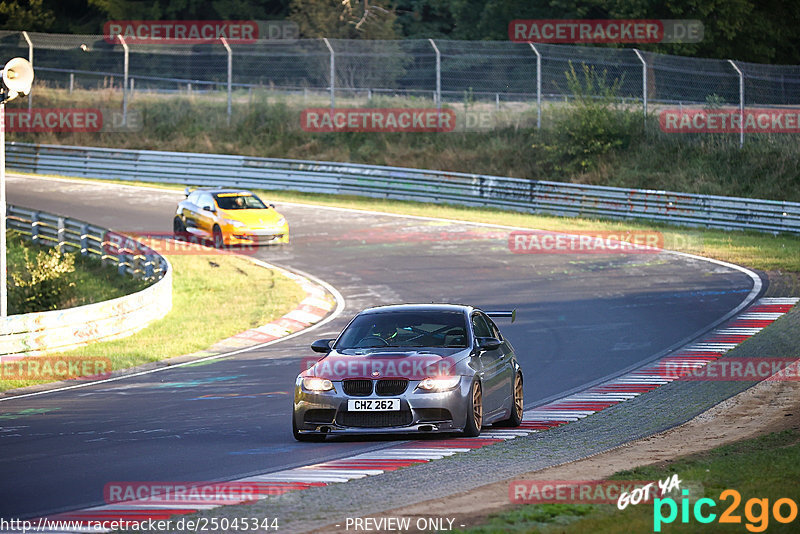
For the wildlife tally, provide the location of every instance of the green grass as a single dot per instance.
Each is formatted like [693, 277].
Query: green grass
[213, 297]
[93, 281]
[269, 125]
[767, 467]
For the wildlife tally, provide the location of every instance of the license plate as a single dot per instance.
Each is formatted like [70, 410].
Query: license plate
[373, 405]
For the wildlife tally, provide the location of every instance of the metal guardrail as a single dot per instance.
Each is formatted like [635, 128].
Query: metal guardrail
[71, 235]
[33, 334]
[535, 196]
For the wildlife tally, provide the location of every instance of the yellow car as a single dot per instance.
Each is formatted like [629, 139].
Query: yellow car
[229, 217]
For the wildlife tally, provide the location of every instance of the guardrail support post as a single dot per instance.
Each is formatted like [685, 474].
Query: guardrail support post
[35, 227]
[644, 81]
[538, 86]
[84, 239]
[61, 233]
[124, 81]
[230, 74]
[333, 73]
[30, 60]
[741, 102]
[438, 75]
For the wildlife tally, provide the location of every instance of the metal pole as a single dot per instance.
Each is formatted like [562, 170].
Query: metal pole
[230, 74]
[741, 103]
[538, 86]
[3, 265]
[438, 76]
[71, 81]
[333, 73]
[124, 82]
[644, 81]
[30, 60]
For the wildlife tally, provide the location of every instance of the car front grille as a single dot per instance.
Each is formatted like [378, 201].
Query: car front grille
[388, 387]
[357, 388]
[375, 419]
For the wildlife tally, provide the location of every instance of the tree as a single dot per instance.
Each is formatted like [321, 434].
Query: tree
[344, 19]
[31, 15]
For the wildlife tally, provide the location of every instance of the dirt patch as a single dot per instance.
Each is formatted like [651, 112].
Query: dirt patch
[770, 406]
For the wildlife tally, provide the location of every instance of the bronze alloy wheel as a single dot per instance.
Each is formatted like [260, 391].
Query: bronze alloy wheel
[477, 405]
[518, 402]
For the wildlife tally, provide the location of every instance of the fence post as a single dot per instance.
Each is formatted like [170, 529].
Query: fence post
[84, 239]
[230, 74]
[35, 227]
[124, 82]
[741, 102]
[438, 75]
[333, 73]
[644, 82]
[30, 60]
[538, 86]
[61, 233]
[71, 82]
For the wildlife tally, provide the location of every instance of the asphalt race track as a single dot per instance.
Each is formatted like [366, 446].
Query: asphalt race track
[580, 318]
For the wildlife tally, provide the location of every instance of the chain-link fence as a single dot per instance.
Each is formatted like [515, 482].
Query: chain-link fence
[352, 72]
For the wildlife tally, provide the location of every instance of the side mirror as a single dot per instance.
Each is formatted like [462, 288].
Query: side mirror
[322, 345]
[488, 343]
[209, 208]
[271, 205]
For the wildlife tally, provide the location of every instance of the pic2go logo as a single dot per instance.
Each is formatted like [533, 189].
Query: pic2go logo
[756, 511]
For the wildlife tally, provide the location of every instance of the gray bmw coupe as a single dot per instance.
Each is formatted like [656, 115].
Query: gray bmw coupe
[411, 368]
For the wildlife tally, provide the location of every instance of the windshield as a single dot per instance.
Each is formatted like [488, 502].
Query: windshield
[405, 329]
[239, 201]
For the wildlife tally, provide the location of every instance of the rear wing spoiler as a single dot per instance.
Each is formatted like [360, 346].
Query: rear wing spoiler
[503, 314]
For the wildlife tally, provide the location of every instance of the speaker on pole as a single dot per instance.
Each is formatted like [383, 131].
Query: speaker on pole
[17, 78]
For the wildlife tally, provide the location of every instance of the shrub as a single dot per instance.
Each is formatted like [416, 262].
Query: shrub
[43, 284]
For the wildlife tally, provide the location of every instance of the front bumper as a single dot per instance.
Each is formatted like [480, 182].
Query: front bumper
[247, 236]
[327, 413]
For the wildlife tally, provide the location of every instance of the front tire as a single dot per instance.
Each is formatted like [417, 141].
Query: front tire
[305, 437]
[219, 239]
[178, 227]
[472, 428]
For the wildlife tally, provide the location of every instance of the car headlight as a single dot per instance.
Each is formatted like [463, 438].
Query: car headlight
[442, 383]
[281, 221]
[234, 223]
[313, 383]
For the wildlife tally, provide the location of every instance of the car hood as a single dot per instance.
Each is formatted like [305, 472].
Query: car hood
[255, 217]
[375, 364]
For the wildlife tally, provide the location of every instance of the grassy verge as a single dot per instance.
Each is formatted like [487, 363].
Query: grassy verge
[766, 467]
[89, 282]
[631, 155]
[214, 297]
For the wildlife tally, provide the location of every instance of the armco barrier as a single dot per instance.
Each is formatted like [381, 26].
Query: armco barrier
[33, 334]
[535, 196]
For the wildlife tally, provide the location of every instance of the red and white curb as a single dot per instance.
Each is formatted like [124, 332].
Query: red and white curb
[562, 411]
